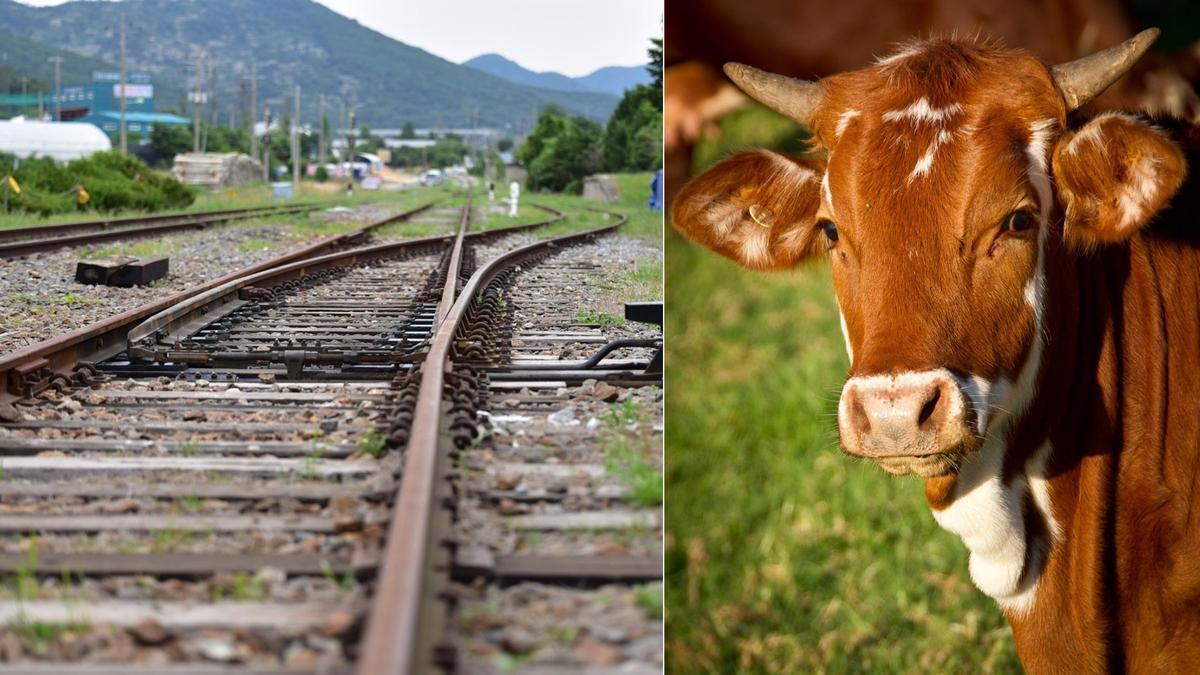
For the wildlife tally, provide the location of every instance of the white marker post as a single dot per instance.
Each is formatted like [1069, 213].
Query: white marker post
[514, 193]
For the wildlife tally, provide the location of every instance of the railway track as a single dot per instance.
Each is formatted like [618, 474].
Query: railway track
[21, 241]
[270, 474]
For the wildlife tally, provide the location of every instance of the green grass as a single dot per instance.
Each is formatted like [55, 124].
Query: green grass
[372, 443]
[41, 634]
[148, 248]
[649, 599]
[783, 555]
[256, 245]
[635, 191]
[243, 197]
[602, 319]
[626, 459]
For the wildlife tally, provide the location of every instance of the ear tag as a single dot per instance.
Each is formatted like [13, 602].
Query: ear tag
[761, 215]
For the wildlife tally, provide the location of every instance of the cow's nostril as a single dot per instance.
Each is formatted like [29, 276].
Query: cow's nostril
[929, 407]
[858, 414]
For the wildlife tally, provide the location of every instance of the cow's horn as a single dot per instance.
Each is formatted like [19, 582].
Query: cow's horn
[795, 98]
[1083, 79]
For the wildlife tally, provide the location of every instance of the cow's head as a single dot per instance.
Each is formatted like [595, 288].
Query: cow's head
[944, 174]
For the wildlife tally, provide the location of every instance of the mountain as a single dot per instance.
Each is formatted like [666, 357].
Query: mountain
[494, 64]
[290, 42]
[615, 79]
[609, 80]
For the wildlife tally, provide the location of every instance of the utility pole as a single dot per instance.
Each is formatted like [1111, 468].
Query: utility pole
[321, 134]
[296, 147]
[197, 95]
[211, 88]
[57, 61]
[350, 144]
[124, 138]
[267, 144]
[253, 110]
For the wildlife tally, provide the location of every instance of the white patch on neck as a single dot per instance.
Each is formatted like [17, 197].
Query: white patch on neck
[987, 512]
[922, 111]
[843, 122]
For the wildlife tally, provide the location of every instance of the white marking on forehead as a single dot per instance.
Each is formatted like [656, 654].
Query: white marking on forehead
[827, 193]
[843, 122]
[925, 162]
[922, 111]
[1039, 141]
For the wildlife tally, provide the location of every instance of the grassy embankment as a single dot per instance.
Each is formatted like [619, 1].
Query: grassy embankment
[783, 555]
[635, 191]
[307, 226]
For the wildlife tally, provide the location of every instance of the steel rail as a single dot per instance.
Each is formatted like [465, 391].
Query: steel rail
[394, 626]
[106, 223]
[20, 247]
[30, 368]
[142, 338]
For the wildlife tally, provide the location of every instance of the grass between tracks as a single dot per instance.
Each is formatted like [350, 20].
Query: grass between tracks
[782, 554]
[635, 191]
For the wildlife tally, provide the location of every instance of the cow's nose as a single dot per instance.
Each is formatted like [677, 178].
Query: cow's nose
[907, 415]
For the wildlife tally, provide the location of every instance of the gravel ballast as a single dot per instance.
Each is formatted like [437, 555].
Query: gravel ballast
[39, 298]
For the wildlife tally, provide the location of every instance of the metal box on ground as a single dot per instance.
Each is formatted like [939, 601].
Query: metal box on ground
[123, 272]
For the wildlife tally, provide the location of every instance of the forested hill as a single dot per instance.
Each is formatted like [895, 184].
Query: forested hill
[609, 80]
[291, 42]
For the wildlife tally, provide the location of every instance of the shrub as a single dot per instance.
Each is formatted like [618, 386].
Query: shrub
[114, 181]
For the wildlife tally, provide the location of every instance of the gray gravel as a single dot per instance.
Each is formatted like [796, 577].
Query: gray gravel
[39, 298]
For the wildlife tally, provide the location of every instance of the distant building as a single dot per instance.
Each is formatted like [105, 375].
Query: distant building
[99, 103]
[62, 142]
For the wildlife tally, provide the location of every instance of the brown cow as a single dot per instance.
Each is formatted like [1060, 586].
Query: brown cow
[1019, 335]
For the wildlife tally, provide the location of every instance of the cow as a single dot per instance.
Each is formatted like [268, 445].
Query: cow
[1018, 288]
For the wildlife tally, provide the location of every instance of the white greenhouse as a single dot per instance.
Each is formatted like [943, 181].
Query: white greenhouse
[62, 141]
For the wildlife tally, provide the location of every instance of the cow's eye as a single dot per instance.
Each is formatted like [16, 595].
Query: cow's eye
[1017, 221]
[829, 229]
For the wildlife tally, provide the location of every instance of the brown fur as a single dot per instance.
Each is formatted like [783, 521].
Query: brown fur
[926, 278]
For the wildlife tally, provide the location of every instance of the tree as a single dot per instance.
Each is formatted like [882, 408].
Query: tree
[633, 137]
[168, 140]
[560, 151]
[408, 131]
[504, 144]
[656, 63]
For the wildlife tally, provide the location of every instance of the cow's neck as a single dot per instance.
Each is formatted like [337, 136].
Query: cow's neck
[1037, 507]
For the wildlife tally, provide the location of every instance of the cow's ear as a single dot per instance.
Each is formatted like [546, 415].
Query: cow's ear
[1113, 175]
[756, 207]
